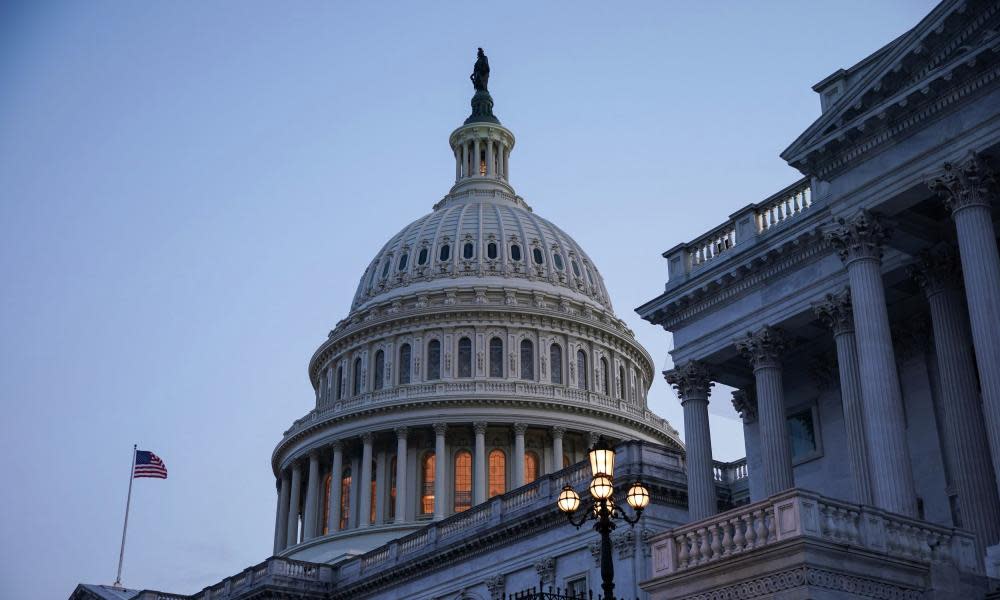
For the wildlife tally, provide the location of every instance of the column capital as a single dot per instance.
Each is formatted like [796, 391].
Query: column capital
[479, 427]
[763, 347]
[558, 432]
[337, 445]
[520, 428]
[440, 428]
[367, 437]
[964, 184]
[836, 312]
[745, 403]
[692, 380]
[860, 237]
[402, 432]
[936, 270]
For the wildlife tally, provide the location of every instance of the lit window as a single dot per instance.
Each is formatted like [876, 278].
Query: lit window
[427, 485]
[527, 360]
[566, 461]
[379, 369]
[496, 357]
[463, 481]
[491, 251]
[465, 357]
[445, 253]
[557, 259]
[515, 252]
[422, 257]
[537, 254]
[468, 251]
[374, 495]
[530, 467]
[345, 497]
[433, 360]
[498, 473]
[555, 363]
[581, 369]
[402, 261]
[404, 364]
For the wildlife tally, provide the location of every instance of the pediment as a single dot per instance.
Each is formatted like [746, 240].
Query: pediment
[956, 46]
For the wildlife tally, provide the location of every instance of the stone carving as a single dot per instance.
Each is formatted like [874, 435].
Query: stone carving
[546, 570]
[402, 432]
[763, 347]
[745, 403]
[558, 432]
[480, 360]
[624, 543]
[967, 184]
[937, 270]
[595, 552]
[835, 312]
[481, 296]
[691, 380]
[647, 547]
[540, 301]
[767, 586]
[496, 586]
[520, 428]
[861, 237]
[450, 298]
[509, 299]
[421, 302]
[479, 427]
[440, 428]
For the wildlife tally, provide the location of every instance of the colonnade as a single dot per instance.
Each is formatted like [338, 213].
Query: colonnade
[441, 465]
[869, 383]
[482, 157]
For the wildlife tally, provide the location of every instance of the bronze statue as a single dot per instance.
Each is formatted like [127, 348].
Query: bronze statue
[481, 72]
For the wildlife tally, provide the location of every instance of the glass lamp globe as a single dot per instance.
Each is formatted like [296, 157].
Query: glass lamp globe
[601, 487]
[568, 500]
[602, 459]
[637, 496]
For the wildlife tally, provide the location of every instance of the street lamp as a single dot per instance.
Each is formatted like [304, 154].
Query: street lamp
[605, 510]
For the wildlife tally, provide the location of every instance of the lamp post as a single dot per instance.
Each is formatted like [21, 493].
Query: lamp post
[605, 511]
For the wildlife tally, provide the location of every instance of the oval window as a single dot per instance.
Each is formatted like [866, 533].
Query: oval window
[576, 268]
[422, 257]
[491, 251]
[537, 254]
[402, 261]
[515, 252]
[557, 258]
[445, 253]
[385, 268]
[468, 251]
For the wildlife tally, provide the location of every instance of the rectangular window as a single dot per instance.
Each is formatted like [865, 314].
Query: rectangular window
[803, 437]
[577, 587]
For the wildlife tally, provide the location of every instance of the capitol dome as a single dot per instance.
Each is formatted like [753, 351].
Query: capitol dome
[480, 352]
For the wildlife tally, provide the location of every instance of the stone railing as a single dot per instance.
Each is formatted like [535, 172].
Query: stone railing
[744, 225]
[515, 390]
[286, 573]
[731, 472]
[798, 514]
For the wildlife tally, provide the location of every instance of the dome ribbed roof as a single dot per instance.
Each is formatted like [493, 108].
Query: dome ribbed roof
[481, 238]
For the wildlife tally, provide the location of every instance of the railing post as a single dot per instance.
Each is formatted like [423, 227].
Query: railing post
[678, 262]
[745, 223]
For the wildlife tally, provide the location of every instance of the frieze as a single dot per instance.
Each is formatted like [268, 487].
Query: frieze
[767, 586]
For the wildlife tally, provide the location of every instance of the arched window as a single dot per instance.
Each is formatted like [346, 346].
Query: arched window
[530, 466]
[555, 363]
[379, 369]
[527, 360]
[433, 360]
[576, 268]
[357, 376]
[385, 268]
[605, 377]
[557, 259]
[345, 497]
[496, 357]
[498, 473]
[445, 253]
[465, 357]
[463, 480]
[327, 482]
[581, 369]
[340, 381]
[374, 495]
[427, 484]
[621, 382]
[404, 364]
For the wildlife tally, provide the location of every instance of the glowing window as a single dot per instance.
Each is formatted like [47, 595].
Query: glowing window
[555, 363]
[566, 461]
[527, 360]
[496, 357]
[427, 485]
[498, 473]
[327, 482]
[465, 357]
[433, 360]
[404, 363]
[345, 497]
[530, 467]
[392, 489]
[371, 516]
[463, 480]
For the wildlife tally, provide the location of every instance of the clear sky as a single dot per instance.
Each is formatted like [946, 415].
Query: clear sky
[190, 191]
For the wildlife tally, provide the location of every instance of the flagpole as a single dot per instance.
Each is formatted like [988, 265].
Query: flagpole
[128, 504]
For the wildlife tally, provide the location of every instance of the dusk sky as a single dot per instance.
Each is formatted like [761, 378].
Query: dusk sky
[189, 193]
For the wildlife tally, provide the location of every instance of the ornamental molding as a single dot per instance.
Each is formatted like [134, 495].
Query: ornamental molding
[692, 380]
[836, 312]
[497, 587]
[970, 183]
[767, 586]
[937, 270]
[546, 570]
[745, 403]
[624, 543]
[862, 237]
[764, 347]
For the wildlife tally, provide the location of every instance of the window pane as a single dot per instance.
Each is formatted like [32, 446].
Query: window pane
[371, 516]
[555, 363]
[581, 369]
[422, 257]
[802, 434]
[530, 467]
[527, 360]
[402, 261]
[498, 473]
[379, 369]
[463, 481]
[604, 376]
[557, 259]
[576, 268]
[427, 485]
[491, 250]
[468, 251]
[515, 252]
[433, 360]
[496, 357]
[385, 268]
[340, 381]
[327, 482]
[357, 376]
[621, 382]
[445, 253]
[537, 254]
[465, 357]
[404, 364]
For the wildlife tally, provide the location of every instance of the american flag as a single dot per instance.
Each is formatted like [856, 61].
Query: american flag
[148, 464]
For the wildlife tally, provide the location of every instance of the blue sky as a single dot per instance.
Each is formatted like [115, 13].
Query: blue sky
[189, 193]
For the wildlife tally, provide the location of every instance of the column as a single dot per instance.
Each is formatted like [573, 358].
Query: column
[490, 167]
[475, 157]
[519, 429]
[439, 465]
[859, 243]
[693, 384]
[312, 498]
[281, 535]
[381, 467]
[506, 164]
[964, 189]
[337, 469]
[458, 165]
[500, 149]
[401, 489]
[557, 449]
[835, 312]
[764, 348]
[352, 493]
[365, 488]
[479, 469]
[967, 445]
[292, 529]
[465, 159]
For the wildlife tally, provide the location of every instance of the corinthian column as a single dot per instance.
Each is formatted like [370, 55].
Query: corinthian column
[693, 383]
[292, 528]
[859, 243]
[479, 483]
[365, 490]
[557, 448]
[281, 535]
[439, 464]
[835, 312]
[519, 430]
[312, 499]
[966, 445]
[764, 348]
[401, 489]
[966, 191]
